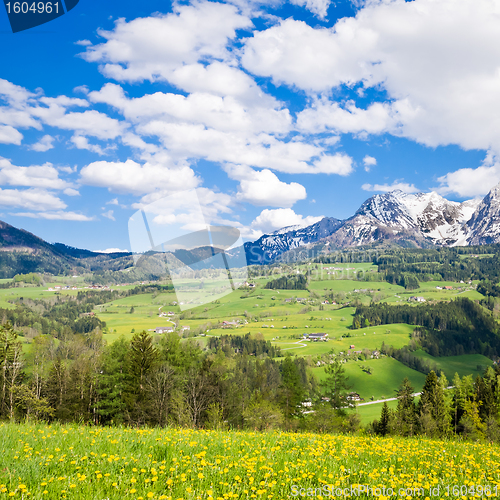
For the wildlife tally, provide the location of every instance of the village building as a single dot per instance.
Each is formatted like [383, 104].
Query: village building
[316, 337]
[416, 299]
[354, 396]
[164, 329]
[229, 324]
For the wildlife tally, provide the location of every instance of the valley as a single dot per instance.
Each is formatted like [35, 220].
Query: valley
[282, 318]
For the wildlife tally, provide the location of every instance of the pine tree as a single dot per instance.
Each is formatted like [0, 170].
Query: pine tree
[111, 406]
[142, 358]
[143, 355]
[335, 385]
[383, 425]
[432, 411]
[406, 414]
[291, 388]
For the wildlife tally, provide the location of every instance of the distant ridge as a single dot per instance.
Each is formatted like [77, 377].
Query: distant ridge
[420, 220]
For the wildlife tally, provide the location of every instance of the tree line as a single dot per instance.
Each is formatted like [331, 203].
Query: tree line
[146, 382]
[408, 267]
[244, 344]
[449, 328]
[469, 408]
[291, 282]
[63, 315]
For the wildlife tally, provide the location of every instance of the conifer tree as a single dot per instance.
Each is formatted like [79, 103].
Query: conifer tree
[406, 414]
[383, 425]
[142, 358]
[291, 388]
[432, 411]
[336, 386]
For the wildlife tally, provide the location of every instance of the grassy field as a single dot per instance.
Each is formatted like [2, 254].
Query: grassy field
[85, 463]
[281, 319]
[369, 413]
[466, 364]
[387, 374]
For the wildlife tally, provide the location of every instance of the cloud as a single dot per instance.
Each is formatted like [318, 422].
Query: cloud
[339, 163]
[263, 187]
[348, 119]
[81, 88]
[40, 176]
[83, 143]
[44, 144]
[226, 114]
[271, 220]
[385, 188]
[153, 48]
[9, 135]
[83, 43]
[131, 177]
[318, 7]
[185, 210]
[31, 199]
[111, 250]
[321, 58]
[91, 122]
[369, 162]
[185, 140]
[109, 215]
[470, 182]
[59, 215]
[14, 94]
[441, 86]
[71, 192]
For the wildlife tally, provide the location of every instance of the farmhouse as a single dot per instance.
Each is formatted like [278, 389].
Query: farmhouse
[186, 327]
[316, 337]
[164, 329]
[354, 396]
[229, 324]
[416, 299]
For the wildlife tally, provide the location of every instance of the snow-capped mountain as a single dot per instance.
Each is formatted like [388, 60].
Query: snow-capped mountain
[423, 216]
[425, 219]
[270, 246]
[484, 225]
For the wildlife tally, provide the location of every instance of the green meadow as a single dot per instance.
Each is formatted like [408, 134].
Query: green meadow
[466, 364]
[277, 316]
[383, 381]
[89, 463]
[369, 412]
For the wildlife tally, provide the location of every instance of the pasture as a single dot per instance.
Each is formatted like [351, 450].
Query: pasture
[85, 463]
[383, 381]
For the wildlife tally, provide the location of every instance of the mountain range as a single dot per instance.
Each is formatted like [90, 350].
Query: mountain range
[421, 220]
[396, 218]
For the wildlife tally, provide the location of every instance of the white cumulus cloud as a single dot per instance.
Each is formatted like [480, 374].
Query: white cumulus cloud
[132, 177]
[271, 220]
[385, 188]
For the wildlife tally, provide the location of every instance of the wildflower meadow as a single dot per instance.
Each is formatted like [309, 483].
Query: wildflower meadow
[95, 463]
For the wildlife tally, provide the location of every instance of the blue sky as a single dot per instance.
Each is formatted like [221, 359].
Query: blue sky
[278, 112]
